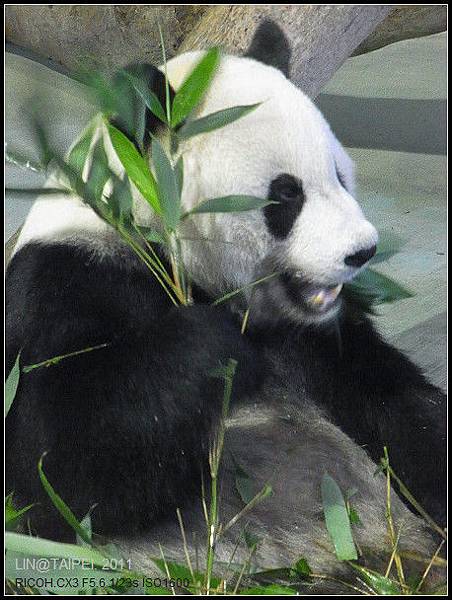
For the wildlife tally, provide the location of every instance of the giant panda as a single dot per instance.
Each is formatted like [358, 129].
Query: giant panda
[127, 428]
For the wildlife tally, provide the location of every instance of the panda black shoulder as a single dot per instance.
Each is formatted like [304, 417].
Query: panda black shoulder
[48, 282]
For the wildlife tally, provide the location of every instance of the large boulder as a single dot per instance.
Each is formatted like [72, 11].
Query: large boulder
[111, 36]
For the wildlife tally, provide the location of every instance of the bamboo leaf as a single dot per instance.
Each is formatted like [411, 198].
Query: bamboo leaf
[337, 520]
[87, 526]
[379, 288]
[268, 590]
[181, 572]
[226, 204]
[215, 120]
[12, 514]
[382, 585]
[135, 167]
[244, 484]
[194, 87]
[62, 507]
[121, 200]
[80, 151]
[152, 235]
[11, 385]
[99, 174]
[28, 545]
[168, 188]
[302, 568]
[388, 245]
[148, 97]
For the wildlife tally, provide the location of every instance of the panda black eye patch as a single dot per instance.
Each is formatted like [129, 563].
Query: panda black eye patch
[287, 191]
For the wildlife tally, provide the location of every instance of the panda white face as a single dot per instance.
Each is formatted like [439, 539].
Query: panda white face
[315, 238]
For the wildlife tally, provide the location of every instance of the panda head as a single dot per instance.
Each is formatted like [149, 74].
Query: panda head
[315, 237]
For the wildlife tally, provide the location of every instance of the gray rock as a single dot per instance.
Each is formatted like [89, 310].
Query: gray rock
[322, 36]
[112, 36]
[405, 22]
[106, 36]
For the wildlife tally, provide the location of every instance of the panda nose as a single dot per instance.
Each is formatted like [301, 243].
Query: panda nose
[358, 259]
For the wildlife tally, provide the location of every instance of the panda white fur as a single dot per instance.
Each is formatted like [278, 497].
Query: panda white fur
[128, 427]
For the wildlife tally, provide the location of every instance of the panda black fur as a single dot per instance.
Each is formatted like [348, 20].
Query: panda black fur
[127, 428]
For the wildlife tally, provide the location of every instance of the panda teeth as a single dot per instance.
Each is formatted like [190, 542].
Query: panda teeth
[324, 297]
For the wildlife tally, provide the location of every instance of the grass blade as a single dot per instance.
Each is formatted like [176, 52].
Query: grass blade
[11, 385]
[216, 120]
[337, 520]
[62, 507]
[242, 289]
[194, 87]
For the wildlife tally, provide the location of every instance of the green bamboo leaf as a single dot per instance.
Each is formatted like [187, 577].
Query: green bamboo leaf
[80, 151]
[302, 568]
[13, 515]
[215, 120]
[226, 204]
[11, 385]
[382, 585]
[152, 235]
[98, 176]
[337, 520]
[181, 572]
[168, 187]
[244, 484]
[135, 166]
[389, 244]
[39, 191]
[268, 590]
[153, 590]
[28, 545]
[62, 507]
[148, 97]
[121, 200]
[380, 288]
[100, 90]
[194, 87]
[88, 527]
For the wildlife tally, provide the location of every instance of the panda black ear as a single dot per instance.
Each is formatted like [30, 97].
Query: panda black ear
[270, 46]
[154, 79]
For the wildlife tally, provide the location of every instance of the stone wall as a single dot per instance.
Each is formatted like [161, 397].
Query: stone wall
[110, 36]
